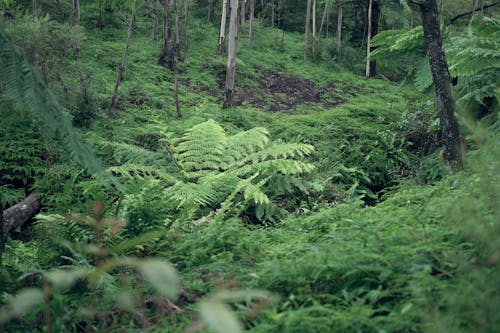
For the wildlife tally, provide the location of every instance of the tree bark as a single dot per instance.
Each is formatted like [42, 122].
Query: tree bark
[442, 83]
[165, 51]
[273, 13]
[368, 39]
[374, 31]
[186, 30]
[231, 55]
[323, 18]
[222, 32]
[176, 60]
[250, 28]
[307, 29]
[16, 216]
[76, 4]
[123, 64]
[242, 15]
[339, 29]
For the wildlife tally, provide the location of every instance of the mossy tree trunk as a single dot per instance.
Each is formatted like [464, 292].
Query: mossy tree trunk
[442, 82]
[231, 55]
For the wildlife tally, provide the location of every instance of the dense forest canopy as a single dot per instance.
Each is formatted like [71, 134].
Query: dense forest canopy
[249, 165]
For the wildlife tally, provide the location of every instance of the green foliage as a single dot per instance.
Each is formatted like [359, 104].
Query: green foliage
[475, 59]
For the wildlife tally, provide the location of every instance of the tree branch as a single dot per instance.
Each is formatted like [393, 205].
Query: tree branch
[472, 11]
[16, 216]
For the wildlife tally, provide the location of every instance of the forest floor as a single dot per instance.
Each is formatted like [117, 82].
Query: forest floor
[378, 238]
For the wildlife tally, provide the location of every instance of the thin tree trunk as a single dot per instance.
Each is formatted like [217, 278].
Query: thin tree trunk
[231, 55]
[374, 32]
[314, 28]
[186, 30]
[474, 8]
[209, 14]
[250, 28]
[165, 56]
[442, 82]
[273, 13]
[369, 38]
[323, 18]
[339, 28]
[123, 64]
[282, 44]
[34, 8]
[176, 60]
[222, 32]
[77, 24]
[441, 14]
[308, 23]
[242, 15]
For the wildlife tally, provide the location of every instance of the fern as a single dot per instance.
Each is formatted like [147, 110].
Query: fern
[475, 58]
[23, 85]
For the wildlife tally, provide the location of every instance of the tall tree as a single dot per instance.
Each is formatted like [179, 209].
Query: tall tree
[368, 38]
[250, 28]
[165, 51]
[339, 27]
[186, 30]
[222, 32]
[76, 5]
[307, 29]
[175, 60]
[231, 55]
[124, 61]
[242, 15]
[374, 31]
[442, 82]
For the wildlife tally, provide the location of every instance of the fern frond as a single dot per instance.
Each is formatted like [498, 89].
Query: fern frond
[24, 85]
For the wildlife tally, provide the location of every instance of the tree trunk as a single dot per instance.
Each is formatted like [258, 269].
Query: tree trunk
[242, 15]
[16, 216]
[77, 24]
[222, 33]
[250, 28]
[308, 23]
[231, 55]
[123, 64]
[34, 8]
[323, 18]
[374, 31]
[273, 13]
[442, 83]
[165, 55]
[209, 13]
[369, 38]
[339, 29]
[176, 60]
[186, 30]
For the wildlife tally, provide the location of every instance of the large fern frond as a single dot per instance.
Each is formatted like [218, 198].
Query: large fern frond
[23, 84]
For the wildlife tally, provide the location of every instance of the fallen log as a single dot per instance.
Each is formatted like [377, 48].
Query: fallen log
[13, 218]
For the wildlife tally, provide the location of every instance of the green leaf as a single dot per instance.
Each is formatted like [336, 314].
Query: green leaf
[161, 275]
[24, 301]
[65, 278]
[217, 316]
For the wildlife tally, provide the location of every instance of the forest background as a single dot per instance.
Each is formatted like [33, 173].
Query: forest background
[271, 166]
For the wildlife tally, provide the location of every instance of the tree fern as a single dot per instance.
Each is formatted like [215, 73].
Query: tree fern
[24, 85]
[475, 59]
